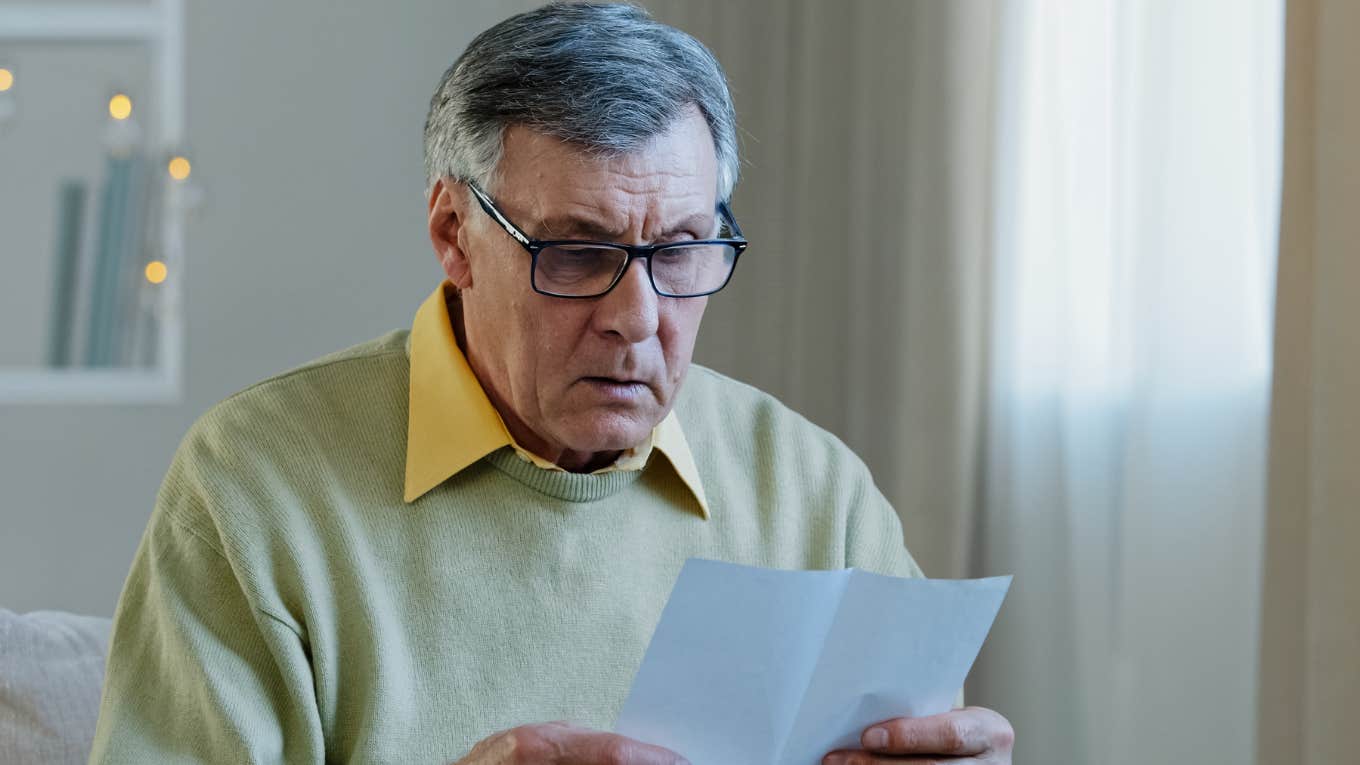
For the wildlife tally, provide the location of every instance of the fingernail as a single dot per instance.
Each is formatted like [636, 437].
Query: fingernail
[832, 759]
[875, 738]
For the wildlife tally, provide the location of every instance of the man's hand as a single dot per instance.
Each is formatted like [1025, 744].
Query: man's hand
[969, 735]
[558, 743]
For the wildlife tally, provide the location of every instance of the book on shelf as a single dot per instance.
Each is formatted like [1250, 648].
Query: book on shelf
[116, 302]
[136, 346]
[70, 226]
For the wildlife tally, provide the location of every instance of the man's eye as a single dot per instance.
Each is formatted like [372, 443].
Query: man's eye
[587, 253]
[570, 262]
[674, 255]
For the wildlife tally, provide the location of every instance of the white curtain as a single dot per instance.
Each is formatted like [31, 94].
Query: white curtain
[1134, 229]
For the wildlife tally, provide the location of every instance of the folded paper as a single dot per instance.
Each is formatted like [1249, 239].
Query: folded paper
[754, 666]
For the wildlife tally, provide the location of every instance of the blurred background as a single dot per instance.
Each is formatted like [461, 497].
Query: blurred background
[1076, 279]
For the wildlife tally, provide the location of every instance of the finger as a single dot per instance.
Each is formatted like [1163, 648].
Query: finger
[499, 747]
[861, 757]
[960, 733]
[578, 746]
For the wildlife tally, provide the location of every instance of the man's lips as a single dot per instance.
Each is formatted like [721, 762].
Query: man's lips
[615, 380]
[623, 389]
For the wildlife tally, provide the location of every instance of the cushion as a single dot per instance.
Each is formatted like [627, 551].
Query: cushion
[51, 670]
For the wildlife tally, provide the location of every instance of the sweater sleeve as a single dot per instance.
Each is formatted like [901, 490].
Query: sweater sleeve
[874, 540]
[196, 673]
[874, 532]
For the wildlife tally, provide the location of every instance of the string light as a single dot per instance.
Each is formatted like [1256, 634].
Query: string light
[179, 168]
[155, 272]
[120, 107]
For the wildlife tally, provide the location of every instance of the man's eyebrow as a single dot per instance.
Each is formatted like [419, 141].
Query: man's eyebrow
[565, 226]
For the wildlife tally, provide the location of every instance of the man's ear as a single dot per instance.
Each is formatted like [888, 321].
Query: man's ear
[447, 213]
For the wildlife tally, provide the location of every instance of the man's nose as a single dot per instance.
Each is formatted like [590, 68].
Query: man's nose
[630, 309]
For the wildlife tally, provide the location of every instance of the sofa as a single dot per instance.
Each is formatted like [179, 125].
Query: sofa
[51, 671]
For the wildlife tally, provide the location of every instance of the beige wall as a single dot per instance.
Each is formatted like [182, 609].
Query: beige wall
[1310, 671]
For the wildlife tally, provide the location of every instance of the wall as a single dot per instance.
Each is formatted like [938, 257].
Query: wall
[304, 126]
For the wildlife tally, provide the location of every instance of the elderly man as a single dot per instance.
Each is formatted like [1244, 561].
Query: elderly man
[431, 545]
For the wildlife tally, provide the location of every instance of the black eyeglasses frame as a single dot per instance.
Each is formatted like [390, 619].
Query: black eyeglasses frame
[645, 251]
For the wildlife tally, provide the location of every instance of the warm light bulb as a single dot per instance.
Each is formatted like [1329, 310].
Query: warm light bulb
[6, 79]
[120, 107]
[179, 168]
[155, 272]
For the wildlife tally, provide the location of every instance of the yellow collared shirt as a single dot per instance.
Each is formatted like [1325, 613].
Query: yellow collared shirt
[452, 422]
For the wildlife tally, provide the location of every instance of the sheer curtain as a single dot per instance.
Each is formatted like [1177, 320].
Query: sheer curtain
[1134, 228]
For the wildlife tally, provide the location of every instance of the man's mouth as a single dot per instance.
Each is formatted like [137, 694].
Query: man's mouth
[617, 388]
[616, 380]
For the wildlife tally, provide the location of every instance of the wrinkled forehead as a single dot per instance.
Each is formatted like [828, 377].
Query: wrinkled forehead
[668, 187]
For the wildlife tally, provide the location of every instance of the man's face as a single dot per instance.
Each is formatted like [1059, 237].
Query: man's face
[580, 377]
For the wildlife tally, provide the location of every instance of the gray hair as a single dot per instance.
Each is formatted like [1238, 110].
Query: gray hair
[604, 76]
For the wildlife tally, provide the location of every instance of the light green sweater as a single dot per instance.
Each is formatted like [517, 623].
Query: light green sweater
[285, 605]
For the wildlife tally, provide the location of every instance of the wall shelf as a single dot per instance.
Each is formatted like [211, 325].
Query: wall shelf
[158, 27]
[91, 386]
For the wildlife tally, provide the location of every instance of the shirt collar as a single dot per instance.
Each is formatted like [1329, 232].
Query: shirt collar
[453, 424]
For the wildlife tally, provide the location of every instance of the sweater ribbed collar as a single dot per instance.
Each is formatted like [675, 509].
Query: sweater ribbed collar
[569, 487]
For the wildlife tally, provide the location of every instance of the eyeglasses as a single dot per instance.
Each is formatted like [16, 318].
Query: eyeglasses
[570, 268]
